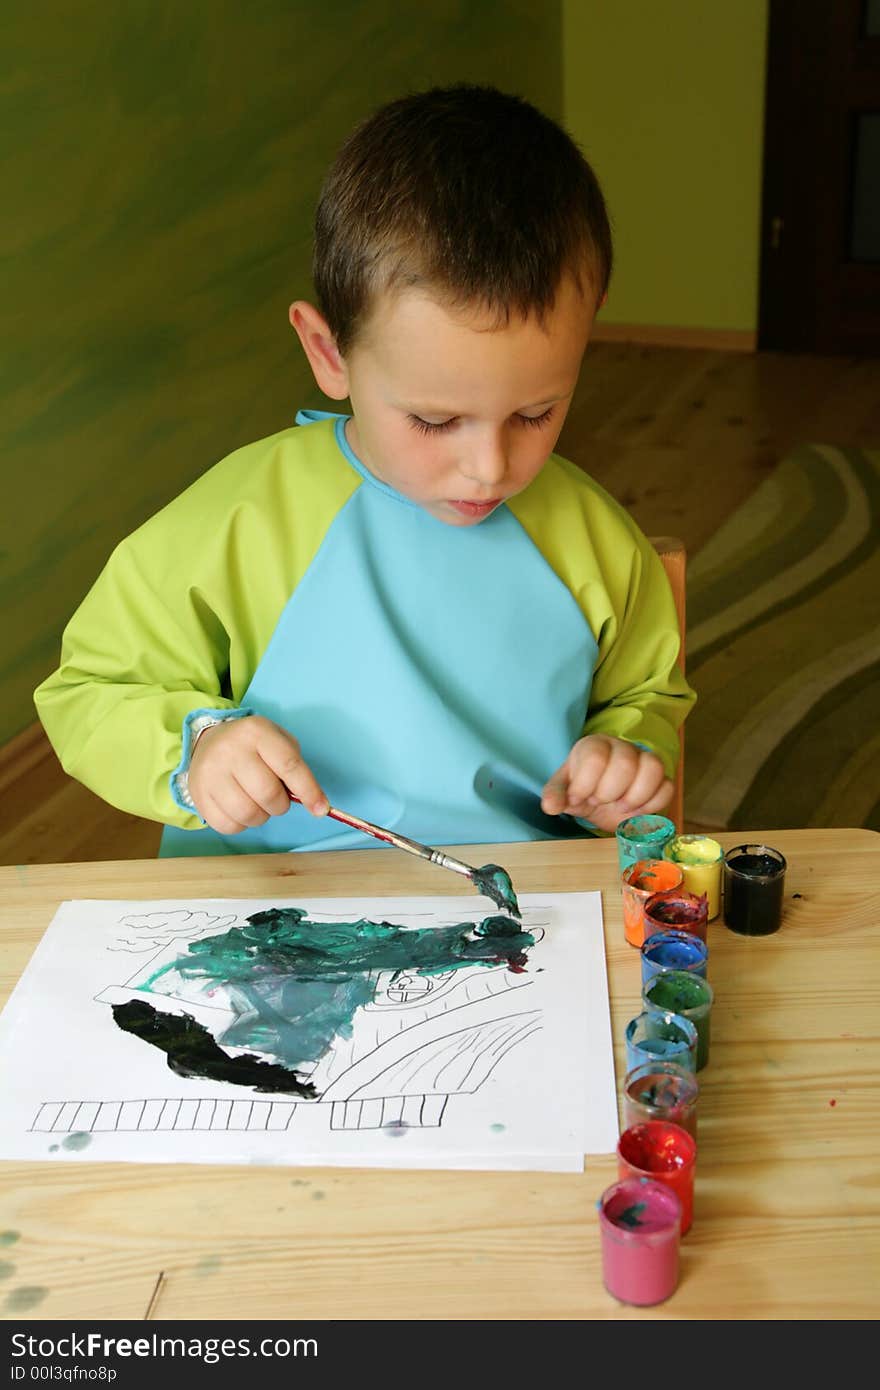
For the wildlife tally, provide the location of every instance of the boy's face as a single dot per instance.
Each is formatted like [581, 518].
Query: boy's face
[458, 415]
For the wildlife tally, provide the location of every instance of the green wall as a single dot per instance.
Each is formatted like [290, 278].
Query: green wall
[161, 166]
[667, 101]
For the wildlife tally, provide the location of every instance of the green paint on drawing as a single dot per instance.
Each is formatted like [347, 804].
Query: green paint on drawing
[6, 1269]
[295, 985]
[9, 1237]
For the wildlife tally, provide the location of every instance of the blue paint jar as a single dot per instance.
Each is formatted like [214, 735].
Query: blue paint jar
[673, 950]
[661, 1037]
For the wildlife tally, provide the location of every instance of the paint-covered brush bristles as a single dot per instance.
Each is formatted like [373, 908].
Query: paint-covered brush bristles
[494, 882]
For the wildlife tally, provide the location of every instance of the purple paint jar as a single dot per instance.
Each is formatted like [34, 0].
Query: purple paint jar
[678, 909]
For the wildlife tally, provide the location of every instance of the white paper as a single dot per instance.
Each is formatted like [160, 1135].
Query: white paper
[478, 1068]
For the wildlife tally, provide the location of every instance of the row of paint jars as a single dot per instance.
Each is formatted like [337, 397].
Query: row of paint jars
[671, 889]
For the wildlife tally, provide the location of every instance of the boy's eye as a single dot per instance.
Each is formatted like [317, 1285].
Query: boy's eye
[425, 427]
[534, 419]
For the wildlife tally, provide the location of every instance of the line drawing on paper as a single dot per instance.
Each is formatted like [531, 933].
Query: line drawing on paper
[420, 1041]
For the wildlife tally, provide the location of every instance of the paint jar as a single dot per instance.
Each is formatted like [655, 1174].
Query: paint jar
[666, 1037]
[673, 950]
[699, 858]
[677, 908]
[640, 1226]
[663, 1152]
[682, 992]
[642, 837]
[754, 882]
[661, 1091]
[637, 883]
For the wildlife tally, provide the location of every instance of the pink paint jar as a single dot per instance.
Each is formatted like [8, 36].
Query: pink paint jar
[640, 1225]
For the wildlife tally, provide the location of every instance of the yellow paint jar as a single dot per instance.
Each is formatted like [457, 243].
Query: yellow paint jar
[699, 858]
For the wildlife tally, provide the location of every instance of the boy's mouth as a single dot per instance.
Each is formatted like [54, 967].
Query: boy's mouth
[476, 508]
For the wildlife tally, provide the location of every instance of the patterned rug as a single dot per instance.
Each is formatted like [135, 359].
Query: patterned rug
[783, 648]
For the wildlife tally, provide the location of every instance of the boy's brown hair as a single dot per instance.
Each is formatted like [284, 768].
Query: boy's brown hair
[466, 190]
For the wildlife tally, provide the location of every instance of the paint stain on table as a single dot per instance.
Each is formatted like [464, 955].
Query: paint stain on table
[21, 1299]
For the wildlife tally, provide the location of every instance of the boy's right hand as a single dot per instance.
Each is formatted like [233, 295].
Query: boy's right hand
[242, 770]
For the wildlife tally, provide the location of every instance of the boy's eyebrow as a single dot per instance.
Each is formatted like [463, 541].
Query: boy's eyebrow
[436, 410]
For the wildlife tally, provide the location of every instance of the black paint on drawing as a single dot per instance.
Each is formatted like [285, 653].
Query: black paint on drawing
[192, 1051]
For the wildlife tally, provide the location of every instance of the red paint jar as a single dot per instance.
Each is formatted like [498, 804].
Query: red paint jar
[663, 1152]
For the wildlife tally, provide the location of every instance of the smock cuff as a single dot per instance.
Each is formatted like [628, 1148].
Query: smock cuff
[195, 724]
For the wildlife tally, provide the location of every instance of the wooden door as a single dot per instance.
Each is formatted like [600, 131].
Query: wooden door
[820, 220]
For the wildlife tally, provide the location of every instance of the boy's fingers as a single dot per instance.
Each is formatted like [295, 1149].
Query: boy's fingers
[263, 786]
[591, 759]
[661, 798]
[281, 752]
[608, 817]
[216, 817]
[233, 801]
[616, 780]
[646, 784]
[554, 797]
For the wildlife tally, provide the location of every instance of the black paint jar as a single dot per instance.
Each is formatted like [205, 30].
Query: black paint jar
[754, 884]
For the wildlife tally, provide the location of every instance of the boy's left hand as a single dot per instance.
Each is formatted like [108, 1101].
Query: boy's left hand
[604, 780]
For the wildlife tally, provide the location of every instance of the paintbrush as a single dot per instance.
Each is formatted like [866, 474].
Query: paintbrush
[490, 880]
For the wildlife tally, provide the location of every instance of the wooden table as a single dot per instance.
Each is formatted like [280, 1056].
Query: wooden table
[787, 1195]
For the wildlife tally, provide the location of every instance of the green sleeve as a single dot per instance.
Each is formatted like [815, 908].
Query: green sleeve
[614, 574]
[639, 692]
[182, 613]
[114, 710]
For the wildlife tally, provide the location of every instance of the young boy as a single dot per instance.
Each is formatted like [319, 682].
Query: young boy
[415, 612]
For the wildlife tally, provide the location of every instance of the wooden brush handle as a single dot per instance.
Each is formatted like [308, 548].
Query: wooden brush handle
[378, 832]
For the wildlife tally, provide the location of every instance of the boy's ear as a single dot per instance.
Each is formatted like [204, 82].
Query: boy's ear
[320, 348]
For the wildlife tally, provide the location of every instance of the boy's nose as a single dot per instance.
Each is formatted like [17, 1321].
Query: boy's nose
[486, 463]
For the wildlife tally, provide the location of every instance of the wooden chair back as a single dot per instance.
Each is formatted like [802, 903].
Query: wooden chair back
[674, 558]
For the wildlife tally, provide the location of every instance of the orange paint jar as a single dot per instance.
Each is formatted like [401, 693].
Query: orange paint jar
[638, 883]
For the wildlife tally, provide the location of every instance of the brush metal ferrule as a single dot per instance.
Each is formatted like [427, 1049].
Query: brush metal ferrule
[446, 861]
